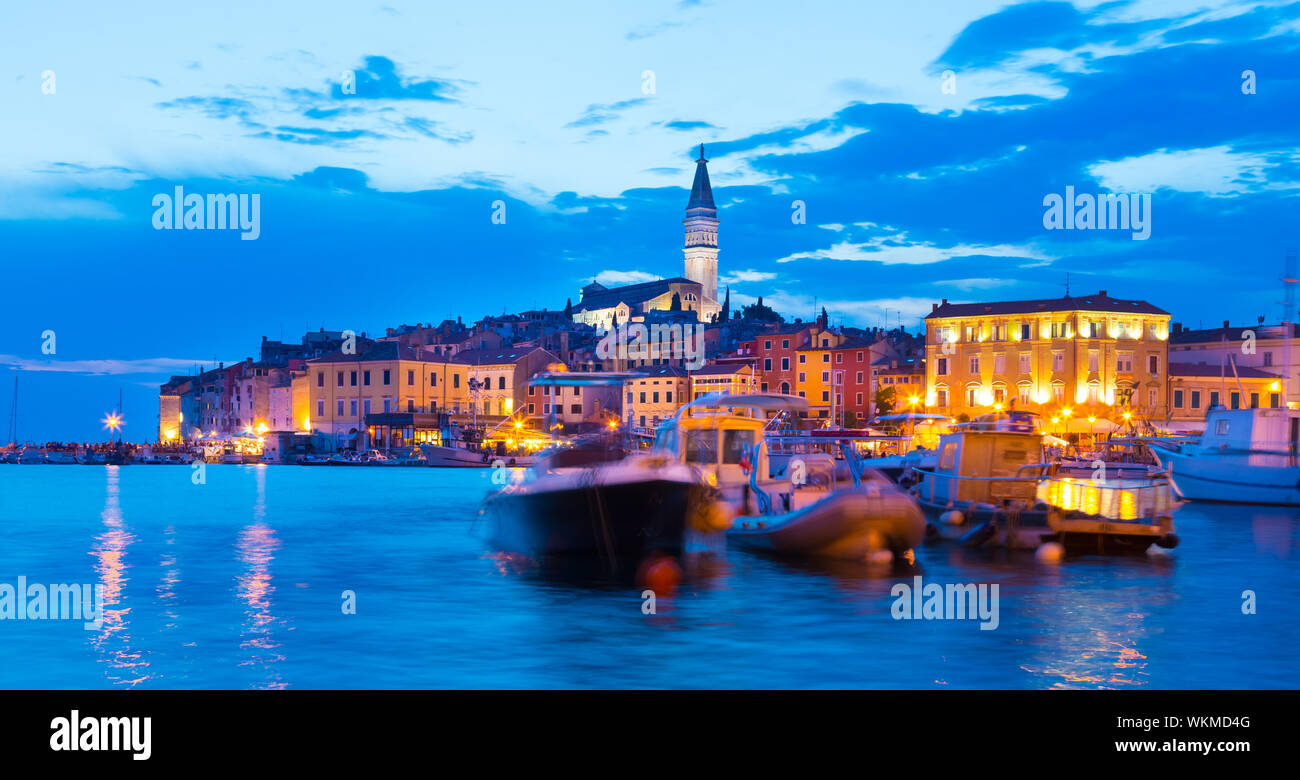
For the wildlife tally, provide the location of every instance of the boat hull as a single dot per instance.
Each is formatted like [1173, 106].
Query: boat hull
[985, 526]
[622, 520]
[849, 524]
[1232, 481]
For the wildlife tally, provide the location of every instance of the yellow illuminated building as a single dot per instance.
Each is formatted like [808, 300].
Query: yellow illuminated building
[1071, 357]
[387, 377]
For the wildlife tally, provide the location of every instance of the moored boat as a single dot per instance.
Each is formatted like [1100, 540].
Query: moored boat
[992, 486]
[810, 510]
[1244, 456]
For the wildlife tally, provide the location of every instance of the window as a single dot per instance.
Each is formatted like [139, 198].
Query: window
[1058, 392]
[940, 368]
[1273, 400]
[352, 378]
[1196, 399]
[1124, 362]
[1023, 395]
[1153, 397]
[785, 364]
[1093, 360]
[948, 456]
[826, 376]
[642, 396]
[767, 364]
[320, 378]
[859, 357]
[1026, 331]
[1254, 400]
[320, 407]
[1153, 365]
[839, 357]
[803, 377]
[1236, 399]
[1025, 362]
[859, 378]
[340, 379]
[410, 378]
[1214, 399]
[826, 396]
[999, 394]
[365, 378]
[803, 358]
[785, 343]
[941, 396]
[433, 381]
[767, 345]
[1268, 358]
[826, 357]
[365, 405]
[999, 364]
[387, 376]
[1178, 399]
[734, 443]
[455, 380]
[972, 396]
[858, 399]
[1058, 361]
[352, 408]
[340, 410]
[974, 364]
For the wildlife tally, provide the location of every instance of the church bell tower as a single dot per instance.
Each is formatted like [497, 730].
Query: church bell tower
[701, 248]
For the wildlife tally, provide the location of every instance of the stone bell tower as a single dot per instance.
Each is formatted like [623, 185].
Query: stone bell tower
[701, 247]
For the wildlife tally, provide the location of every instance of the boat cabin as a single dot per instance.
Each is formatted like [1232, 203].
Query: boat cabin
[718, 433]
[985, 467]
[1264, 436]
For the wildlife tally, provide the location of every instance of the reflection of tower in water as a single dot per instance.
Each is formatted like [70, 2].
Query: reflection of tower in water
[255, 548]
[126, 666]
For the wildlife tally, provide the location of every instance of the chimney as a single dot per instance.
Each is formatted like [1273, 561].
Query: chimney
[1225, 324]
[1102, 293]
[934, 307]
[945, 301]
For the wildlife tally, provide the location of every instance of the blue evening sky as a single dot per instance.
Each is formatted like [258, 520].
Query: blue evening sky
[376, 207]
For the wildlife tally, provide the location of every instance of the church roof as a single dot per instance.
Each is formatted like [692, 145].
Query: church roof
[701, 190]
[608, 298]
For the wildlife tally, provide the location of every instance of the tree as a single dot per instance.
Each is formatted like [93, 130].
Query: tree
[759, 312]
[568, 308]
[726, 307]
[885, 398]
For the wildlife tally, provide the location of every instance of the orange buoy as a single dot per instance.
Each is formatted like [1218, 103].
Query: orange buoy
[662, 575]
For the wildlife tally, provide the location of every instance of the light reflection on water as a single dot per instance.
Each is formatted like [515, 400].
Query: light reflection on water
[237, 583]
[125, 666]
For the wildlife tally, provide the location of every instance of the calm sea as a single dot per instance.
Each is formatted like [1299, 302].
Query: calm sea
[239, 583]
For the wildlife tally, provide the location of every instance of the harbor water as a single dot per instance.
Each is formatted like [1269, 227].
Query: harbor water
[244, 581]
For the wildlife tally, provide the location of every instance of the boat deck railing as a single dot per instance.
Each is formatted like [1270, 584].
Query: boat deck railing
[1114, 499]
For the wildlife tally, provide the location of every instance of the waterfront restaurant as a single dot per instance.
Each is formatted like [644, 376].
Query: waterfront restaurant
[399, 430]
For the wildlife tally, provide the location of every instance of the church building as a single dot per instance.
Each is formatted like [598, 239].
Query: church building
[605, 307]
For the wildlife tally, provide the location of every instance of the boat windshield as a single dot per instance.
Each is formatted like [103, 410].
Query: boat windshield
[734, 443]
[702, 445]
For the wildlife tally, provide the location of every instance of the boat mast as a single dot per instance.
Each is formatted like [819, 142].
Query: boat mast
[1288, 303]
[13, 417]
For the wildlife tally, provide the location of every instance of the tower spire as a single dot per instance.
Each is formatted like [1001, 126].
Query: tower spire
[701, 244]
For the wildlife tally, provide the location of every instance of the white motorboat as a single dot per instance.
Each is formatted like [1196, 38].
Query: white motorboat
[811, 510]
[1245, 456]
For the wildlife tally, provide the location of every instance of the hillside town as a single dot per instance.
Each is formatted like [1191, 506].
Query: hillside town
[1086, 364]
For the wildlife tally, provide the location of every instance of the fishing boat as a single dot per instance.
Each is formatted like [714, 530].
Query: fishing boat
[314, 460]
[597, 499]
[818, 506]
[60, 458]
[1244, 456]
[376, 458]
[1119, 457]
[30, 455]
[993, 486]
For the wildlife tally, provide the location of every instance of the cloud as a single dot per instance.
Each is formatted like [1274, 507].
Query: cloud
[161, 366]
[678, 124]
[740, 277]
[1215, 171]
[616, 278]
[976, 283]
[600, 113]
[897, 249]
[379, 79]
